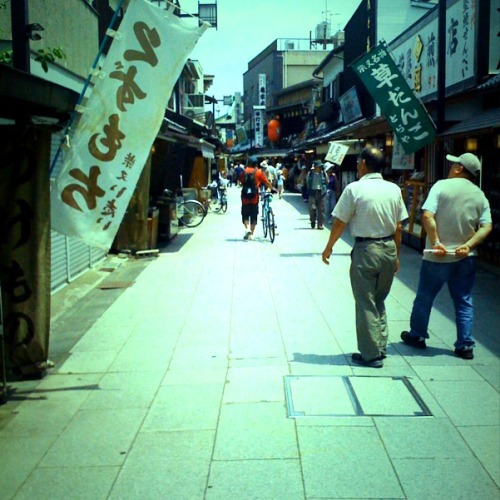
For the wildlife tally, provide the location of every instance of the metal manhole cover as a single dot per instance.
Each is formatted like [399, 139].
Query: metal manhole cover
[352, 396]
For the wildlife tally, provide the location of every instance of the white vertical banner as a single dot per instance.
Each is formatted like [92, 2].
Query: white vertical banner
[262, 90]
[121, 119]
[258, 125]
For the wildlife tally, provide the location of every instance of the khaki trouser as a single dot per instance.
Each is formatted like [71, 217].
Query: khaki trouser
[373, 264]
[316, 207]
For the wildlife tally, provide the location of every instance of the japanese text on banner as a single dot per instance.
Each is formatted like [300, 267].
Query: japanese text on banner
[120, 122]
[398, 103]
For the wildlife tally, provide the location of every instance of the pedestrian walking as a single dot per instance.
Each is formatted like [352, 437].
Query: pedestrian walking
[251, 179]
[280, 180]
[457, 218]
[316, 187]
[302, 183]
[331, 191]
[375, 211]
[238, 171]
[230, 175]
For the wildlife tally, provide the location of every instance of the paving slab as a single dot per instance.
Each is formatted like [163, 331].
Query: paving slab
[60, 483]
[95, 438]
[255, 431]
[166, 465]
[250, 479]
[346, 462]
[438, 478]
[19, 456]
[184, 407]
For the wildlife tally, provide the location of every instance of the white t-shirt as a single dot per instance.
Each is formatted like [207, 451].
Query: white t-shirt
[459, 207]
[371, 206]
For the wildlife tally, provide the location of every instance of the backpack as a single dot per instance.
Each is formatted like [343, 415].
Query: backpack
[249, 189]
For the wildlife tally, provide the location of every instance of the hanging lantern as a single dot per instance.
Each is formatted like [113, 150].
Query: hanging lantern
[273, 130]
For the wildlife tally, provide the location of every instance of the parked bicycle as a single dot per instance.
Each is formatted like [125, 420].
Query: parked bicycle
[213, 197]
[190, 213]
[268, 222]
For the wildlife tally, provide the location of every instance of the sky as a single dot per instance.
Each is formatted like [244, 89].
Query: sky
[246, 27]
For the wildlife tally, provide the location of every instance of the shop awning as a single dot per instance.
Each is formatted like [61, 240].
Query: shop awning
[207, 149]
[266, 153]
[239, 149]
[488, 120]
[23, 94]
[174, 132]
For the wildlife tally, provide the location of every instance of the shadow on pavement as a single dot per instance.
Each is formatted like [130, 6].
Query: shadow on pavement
[320, 359]
[174, 245]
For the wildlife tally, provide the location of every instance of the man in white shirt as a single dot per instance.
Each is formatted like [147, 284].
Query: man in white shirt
[375, 211]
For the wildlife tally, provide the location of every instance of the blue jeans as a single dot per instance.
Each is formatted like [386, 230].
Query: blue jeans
[460, 277]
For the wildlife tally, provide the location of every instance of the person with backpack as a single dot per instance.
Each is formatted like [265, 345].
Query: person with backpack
[251, 179]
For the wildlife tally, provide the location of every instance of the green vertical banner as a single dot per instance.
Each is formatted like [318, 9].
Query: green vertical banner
[398, 103]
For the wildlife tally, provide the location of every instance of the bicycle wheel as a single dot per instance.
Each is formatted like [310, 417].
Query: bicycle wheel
[215, 205]
[224, 205]
[270, 223]
[193, 213]
[264, 221]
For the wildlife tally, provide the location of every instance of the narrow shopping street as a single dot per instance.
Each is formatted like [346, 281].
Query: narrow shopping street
[221, 369]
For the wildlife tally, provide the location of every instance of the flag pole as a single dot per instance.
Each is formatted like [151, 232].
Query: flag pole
[86, 84]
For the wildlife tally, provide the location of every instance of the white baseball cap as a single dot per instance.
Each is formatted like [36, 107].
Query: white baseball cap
[467, 160]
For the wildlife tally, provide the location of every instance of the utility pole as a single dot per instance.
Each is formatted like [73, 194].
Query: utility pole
[441, 90]
[20, 44]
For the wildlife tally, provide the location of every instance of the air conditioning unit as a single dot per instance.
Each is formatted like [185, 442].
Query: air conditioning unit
[289, 45]
[323, 31]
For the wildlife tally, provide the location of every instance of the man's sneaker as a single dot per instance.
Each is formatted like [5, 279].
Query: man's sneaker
[251, 237]
[247, 235]
[417, 342]
[465, 353]
[370, 363]
[313, 225]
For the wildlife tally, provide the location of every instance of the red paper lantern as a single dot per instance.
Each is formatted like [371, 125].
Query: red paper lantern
[273, 130]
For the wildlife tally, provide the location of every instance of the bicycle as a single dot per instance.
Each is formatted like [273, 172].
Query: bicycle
[268, 222]
[190, 213]
[213, 198]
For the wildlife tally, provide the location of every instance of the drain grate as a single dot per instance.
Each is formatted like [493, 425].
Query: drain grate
[352, 396]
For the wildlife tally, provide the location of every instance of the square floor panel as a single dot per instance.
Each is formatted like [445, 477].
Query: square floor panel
[352, 396]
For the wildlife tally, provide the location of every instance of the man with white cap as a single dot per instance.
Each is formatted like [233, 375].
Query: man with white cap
[457, 218]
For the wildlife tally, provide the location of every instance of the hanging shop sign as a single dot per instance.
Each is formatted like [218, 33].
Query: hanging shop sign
[262, 90]
[120, 122]
[403, 110]
[400, 159]
[258, 125]
[336, 152]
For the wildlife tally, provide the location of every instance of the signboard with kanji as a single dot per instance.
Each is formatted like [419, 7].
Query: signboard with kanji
[403, 110]
[336, 152]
